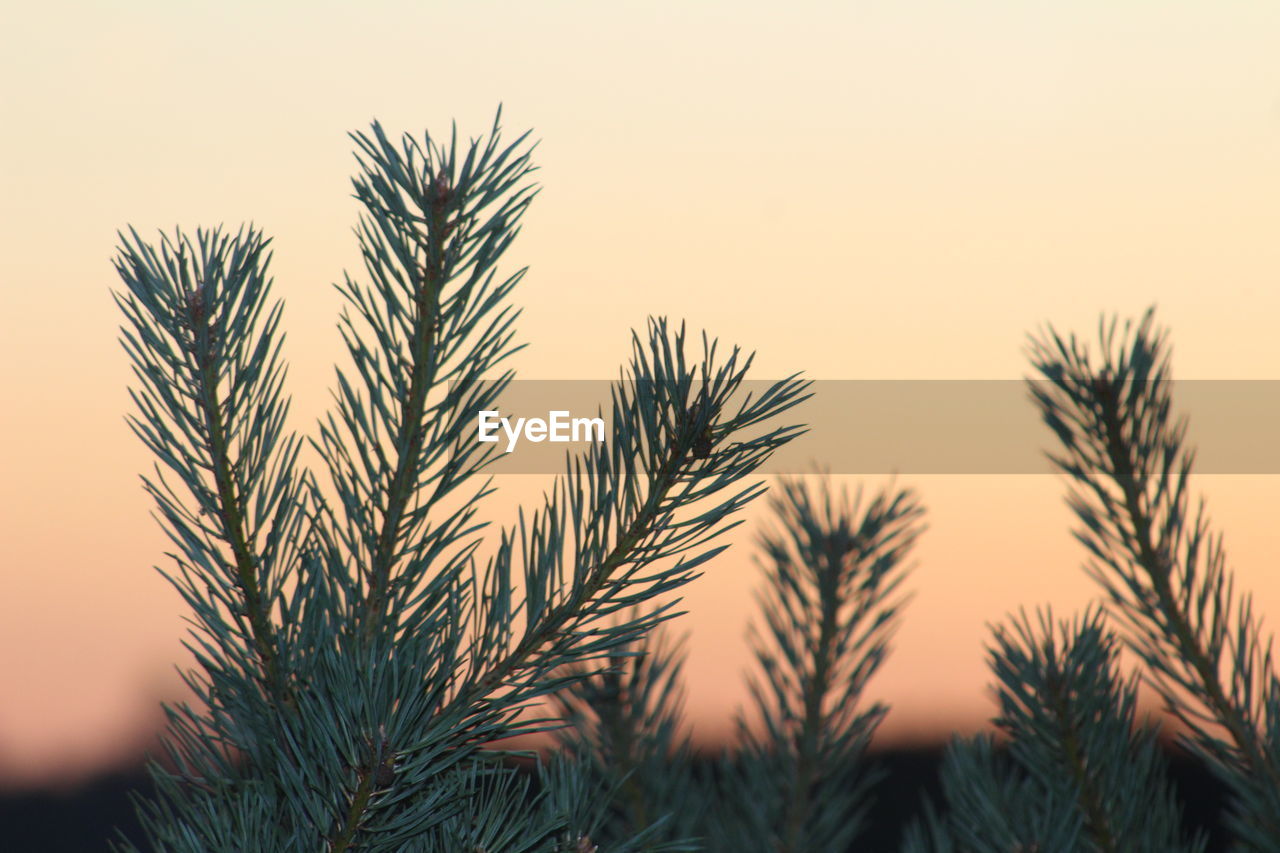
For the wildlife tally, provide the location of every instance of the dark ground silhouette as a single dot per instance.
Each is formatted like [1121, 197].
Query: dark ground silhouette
[85, 818]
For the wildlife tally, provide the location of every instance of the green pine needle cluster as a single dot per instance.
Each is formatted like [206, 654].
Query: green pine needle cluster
[1078, 774]
[796, 780]
[1074, 768]
[355, 656]
[833, 568]
[361, 640]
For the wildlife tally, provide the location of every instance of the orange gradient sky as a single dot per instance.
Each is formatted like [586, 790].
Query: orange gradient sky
[855, 190]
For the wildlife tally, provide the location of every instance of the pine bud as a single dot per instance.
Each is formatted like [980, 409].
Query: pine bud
[441, 191]
[195, 305]
[702, 447]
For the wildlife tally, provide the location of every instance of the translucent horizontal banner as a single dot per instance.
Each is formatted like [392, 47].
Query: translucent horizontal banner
[888, 426]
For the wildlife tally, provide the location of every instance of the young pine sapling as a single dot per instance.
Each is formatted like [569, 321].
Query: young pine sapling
[354, 655]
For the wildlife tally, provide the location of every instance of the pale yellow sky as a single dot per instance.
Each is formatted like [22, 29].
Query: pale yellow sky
[856, 190]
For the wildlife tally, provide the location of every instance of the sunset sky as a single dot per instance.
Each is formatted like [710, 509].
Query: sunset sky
[860, 190]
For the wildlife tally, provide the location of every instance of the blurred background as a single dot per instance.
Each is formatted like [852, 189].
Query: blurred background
[861, 190]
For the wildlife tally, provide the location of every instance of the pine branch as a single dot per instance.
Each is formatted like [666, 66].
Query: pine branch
[1162, 568]
[500, 814]
[994, 805]
[436, 224]
[426, 332]
[651, 500]
[210, 379]
[833, 567]
[624, 725]
[206, 352]
[211, 409]
[1077, 776]
[623, 509]
[582, 801]
[1070, 718]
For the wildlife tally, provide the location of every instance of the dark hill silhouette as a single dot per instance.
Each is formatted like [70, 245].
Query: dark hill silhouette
[84, 818]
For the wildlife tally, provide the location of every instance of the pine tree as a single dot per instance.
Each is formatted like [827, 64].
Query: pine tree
[355, 658]
[358, 651]
[833, 565]
[1168, 590]
[1161, 566]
